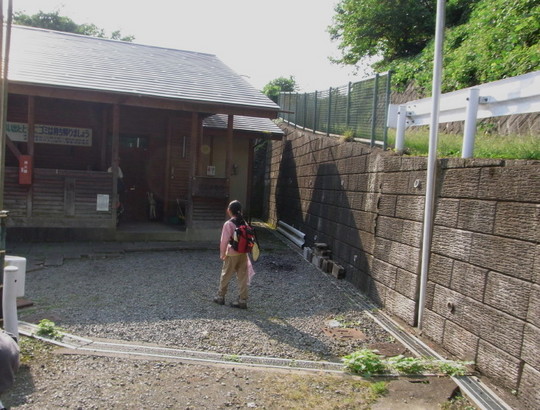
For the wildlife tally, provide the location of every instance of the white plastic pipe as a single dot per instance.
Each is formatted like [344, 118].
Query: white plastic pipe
[470, 123]
[432, 158]
[400, 130]
[9, 301]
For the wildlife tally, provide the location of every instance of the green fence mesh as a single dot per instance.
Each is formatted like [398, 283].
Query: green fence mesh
[357, 109]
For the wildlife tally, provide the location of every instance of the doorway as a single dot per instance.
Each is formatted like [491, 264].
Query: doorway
[142, 164]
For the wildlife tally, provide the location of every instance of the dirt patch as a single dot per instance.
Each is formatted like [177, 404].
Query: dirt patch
[50, 380]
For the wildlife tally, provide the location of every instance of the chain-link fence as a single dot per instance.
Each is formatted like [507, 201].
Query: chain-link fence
[355, 110]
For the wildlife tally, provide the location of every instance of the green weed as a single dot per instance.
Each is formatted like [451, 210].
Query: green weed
[233, 358]
[379, 388]
[486, 145]
[47, 328]
[365, 362]
[407, 365]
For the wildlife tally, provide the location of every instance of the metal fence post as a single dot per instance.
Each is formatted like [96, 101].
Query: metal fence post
[315, 113]
[289, 114]
[296, 110]
[470, 123]
[305, 110]
[348, 112]
[329, 120]
[374, 109]
[385, 125]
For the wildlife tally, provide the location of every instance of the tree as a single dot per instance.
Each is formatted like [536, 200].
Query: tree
[499, 39]
[390, 29]
[54, 21]
[280, 84]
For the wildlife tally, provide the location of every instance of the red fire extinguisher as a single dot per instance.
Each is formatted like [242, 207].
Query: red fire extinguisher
[25, 170]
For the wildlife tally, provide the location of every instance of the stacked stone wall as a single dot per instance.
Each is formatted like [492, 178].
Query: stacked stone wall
[483, 289]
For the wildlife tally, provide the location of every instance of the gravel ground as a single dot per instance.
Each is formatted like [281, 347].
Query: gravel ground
[165, 298]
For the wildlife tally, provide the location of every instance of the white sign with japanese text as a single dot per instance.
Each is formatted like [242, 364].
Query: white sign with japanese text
[50, 134]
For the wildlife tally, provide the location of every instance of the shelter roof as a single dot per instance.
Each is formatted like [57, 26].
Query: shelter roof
[40, 57]
[243, 123]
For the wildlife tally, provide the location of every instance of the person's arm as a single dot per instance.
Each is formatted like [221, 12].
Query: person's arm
[226, 235]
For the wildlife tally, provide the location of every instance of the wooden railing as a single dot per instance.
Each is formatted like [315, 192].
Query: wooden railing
[210, 187]
[58, 198]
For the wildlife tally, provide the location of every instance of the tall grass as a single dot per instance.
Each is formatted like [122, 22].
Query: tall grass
[486, 145]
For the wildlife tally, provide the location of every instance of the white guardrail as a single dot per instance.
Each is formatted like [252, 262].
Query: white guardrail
[516, 95]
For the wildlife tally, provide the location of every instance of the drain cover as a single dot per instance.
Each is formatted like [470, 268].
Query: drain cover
[341, 333]
[389, 349]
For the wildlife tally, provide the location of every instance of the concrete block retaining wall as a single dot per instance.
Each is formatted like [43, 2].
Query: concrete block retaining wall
[484, 276]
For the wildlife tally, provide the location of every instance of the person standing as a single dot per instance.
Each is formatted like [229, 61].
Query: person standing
[233, 261]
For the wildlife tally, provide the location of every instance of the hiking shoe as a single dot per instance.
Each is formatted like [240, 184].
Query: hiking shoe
[220, 300]
[239, 305]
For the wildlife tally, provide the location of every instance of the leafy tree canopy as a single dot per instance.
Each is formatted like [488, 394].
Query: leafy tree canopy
[280, 84]
[485, 40]
[501, 39]
[54, 21]
[389, 29]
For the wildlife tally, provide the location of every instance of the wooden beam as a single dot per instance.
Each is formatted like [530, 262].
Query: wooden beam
[142, 101]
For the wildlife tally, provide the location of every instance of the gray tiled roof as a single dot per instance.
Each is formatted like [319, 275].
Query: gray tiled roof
[52, 58]
[243, 123]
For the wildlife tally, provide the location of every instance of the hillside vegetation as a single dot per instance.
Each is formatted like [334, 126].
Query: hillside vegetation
[500, 39]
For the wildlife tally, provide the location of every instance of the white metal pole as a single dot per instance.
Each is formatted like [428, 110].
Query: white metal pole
[432, 157]
[400, 129]
[9, 301]
[470, 123]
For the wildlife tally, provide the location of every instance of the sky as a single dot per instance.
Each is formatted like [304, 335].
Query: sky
[259, 39]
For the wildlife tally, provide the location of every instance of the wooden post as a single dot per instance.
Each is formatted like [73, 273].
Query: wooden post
[104, 128]
[251, 154]
[31, 119]
[168, 174]
[229, 155]
[114, 160]
[4, 57]
[193, 155]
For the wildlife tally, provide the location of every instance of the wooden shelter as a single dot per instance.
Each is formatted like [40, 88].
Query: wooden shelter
[181, 123]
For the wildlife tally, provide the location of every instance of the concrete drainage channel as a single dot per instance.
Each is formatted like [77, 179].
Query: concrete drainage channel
[482, 395]
[88, 346]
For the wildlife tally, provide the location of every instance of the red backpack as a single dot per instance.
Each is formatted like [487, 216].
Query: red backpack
[243, 238]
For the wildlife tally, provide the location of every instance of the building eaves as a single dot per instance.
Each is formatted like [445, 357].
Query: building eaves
[64, 60]
[244, 123]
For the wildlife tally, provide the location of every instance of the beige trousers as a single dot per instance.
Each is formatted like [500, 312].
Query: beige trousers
[232, 264]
